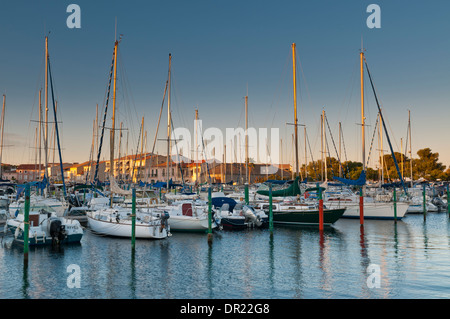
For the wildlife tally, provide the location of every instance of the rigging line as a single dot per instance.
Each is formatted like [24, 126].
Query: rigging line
[327, 151]
[312, 158]
[384, 125]
[137, 150]
[56, 128]
[104, 120]
[278, 89]
[332, 139]
[159, 119]
[345, 151]
[178, 155]
[371, 143]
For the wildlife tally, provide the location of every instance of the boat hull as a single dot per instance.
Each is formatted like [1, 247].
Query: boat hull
[307, 217]
[378, 211]
[112, 228]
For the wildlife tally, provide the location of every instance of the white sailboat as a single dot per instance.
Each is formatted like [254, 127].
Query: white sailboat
[114, 220]
[372, 209]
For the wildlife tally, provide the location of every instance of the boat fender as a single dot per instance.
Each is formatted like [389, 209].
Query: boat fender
[16, 213]
[118, 219]
[16, 233]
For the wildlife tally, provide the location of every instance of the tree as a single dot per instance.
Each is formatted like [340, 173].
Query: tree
[427, 165]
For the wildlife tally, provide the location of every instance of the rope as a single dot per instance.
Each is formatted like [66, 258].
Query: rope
[104, 120]
[371, 143]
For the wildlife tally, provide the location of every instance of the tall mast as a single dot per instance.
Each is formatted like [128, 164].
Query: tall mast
[246, 140]
[295, 107]
[363, 136]
[410, 147]
[321, 145]
[113, 119]
[340, 154]
[3, 129]
[381, 150]
[168, 123]
[306, 154]
[142, 150]
[196, 147]
[325, 145]
[46, 109]
[40, 131]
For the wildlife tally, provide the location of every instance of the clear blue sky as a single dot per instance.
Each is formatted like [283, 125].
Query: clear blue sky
[219, 49]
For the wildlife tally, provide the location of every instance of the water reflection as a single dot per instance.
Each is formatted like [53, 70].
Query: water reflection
[25, 282]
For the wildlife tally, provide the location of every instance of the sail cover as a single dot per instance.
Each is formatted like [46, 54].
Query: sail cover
[361, 181]
[116, 189]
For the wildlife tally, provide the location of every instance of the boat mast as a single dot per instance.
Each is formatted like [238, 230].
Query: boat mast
[361, 54]
[168, 123]
[246, 140]
[46, 109]
[340, 155]
[325, 145]
[294, 76]
[321, 146]
[3, 129]
[40, 131]
[381, 150]
[410, 148]
[113, 119]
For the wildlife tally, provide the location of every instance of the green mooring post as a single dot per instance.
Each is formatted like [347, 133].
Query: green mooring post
[270, 208]
[395, 205]
[246, 194]
[209, 215]
[424, 203]
[26, 223]
[133, 220]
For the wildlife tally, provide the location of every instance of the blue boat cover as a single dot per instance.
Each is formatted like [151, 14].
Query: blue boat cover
[361, 181]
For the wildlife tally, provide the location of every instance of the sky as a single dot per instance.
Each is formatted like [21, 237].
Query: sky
[221, 52]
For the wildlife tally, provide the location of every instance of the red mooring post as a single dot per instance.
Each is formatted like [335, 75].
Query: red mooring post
[320, 209]
[361, 207]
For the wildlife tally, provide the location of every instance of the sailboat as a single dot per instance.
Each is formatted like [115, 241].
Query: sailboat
[185, 215]
[115, 220]
[297, 211]
[46, 227]
[372, 209]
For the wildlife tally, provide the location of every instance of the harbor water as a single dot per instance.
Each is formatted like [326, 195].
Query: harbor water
[410, 256]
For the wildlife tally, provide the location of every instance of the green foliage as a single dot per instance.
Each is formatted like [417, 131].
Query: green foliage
[426, 166]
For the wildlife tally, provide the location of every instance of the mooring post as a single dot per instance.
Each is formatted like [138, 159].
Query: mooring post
[395, 205]
[270, 209]
[209, 215]
[133, 220]
[320, 208]
[26, 222]
[246, 194]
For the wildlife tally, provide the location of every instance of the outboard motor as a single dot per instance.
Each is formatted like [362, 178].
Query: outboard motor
[165, 221]
[251, 216]
[57, 230]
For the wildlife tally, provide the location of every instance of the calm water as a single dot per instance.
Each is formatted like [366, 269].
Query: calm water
[413, 256]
